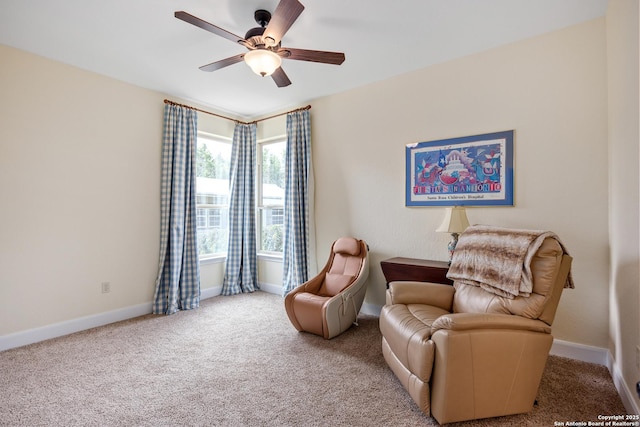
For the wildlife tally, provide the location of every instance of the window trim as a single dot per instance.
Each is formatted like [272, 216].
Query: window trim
[262, 254]
[208, 258]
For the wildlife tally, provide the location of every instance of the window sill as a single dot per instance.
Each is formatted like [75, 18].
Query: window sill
[213, 259]
[270, 257]
[220, 258]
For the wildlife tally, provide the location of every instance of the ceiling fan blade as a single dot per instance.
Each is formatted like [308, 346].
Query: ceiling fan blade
[223, 63]
[193, 20]
[335, 58]
[280, 77]
[282, 19]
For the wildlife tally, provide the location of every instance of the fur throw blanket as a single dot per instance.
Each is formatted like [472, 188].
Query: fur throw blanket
[498, 259]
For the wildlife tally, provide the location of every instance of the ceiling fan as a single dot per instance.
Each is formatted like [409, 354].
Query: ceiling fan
[265, 52]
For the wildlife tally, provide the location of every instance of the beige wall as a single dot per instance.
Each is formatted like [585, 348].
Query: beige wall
[79, 180]
[79, 173]
[624, 132]
[551, 90]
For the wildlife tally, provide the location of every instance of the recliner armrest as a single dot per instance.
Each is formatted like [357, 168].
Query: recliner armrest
[313, 285]
[471, 321]
[407, 292]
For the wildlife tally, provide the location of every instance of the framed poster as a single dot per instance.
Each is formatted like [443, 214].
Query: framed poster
[468, 171]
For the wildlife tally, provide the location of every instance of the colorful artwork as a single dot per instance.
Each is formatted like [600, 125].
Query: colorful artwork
[472, 170]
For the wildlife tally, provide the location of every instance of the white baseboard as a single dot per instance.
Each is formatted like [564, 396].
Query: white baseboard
[271, 288]
[626, 394]
[67, 327]
[585, 353]
[600, 356]
[371, 309]
[210, 292]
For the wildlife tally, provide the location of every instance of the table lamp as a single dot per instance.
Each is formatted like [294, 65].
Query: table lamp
[455, 222]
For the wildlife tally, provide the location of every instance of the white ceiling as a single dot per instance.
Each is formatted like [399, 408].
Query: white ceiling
[140, 41]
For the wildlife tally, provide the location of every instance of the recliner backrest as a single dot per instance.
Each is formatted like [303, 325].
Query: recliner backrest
[548, 281]
[346, 260]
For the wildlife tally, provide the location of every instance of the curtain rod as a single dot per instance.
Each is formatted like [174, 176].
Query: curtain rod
[166, 101]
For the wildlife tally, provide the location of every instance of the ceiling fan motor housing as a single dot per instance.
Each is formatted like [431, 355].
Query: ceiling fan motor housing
[262, 17]
[254, 35]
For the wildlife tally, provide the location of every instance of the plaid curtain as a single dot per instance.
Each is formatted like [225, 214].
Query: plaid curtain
[178, 280]
[299, 230]
[241, 271]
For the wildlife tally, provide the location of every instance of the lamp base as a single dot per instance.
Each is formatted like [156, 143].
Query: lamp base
[452, 245]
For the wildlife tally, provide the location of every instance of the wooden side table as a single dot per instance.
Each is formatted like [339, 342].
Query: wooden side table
[421, 270]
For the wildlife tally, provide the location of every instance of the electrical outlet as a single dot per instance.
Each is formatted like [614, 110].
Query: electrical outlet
[106, 287]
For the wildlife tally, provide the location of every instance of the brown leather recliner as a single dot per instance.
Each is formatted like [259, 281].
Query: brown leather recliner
[328, 304]
[465, 353]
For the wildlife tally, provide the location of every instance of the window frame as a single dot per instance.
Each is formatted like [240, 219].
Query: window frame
[206, 207]
[260, 208]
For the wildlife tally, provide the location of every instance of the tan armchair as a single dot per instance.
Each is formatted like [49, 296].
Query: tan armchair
[328, 304]
[463, 352]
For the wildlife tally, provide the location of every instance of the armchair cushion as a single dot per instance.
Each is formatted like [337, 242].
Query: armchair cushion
[308, 311]
[409, 292]
[474, 321]
[545, 267]
[334, 283]
[347, 245]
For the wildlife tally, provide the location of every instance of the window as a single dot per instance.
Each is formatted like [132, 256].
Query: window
[270, 197]
[212, 194]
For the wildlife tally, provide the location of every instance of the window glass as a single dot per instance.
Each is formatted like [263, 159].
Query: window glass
[271, 158]
[212, 195]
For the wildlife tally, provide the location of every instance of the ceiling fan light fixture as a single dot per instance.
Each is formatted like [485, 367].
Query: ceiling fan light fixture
[263, 62]
[264, 42]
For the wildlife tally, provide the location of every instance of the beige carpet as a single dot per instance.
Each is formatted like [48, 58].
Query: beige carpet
[237, 361]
